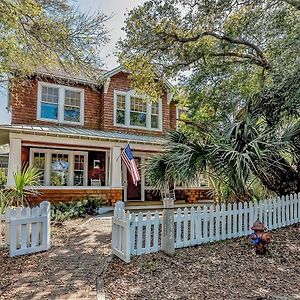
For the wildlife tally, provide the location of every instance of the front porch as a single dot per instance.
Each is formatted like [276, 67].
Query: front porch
[76, 164]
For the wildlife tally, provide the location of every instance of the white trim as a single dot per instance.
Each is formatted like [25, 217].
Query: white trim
[128, 95]
[170, 96]
[61, 103]
[106, 85]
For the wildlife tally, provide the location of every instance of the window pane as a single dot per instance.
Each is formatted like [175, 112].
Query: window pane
[72, 114]
[138, 105]
[154, 121]
[49, 111]
[155, 108]
[72, 98]
[138, 119]
[120, 102]
[39, 164]
[59, 169]
[120, 119]
[78, 170]
[50, 94]
[138, 109]
[72, 106]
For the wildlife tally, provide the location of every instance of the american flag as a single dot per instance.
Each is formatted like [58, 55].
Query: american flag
[129, 161]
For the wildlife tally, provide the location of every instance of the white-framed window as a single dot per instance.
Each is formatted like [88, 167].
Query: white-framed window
[59, 103]
[120, 109]
[134, 111]
[60, 167]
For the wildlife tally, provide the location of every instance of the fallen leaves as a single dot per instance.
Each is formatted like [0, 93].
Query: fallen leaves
[226, 270]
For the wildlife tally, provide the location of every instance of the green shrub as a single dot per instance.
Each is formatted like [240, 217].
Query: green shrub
[61, 212]
[3, 176]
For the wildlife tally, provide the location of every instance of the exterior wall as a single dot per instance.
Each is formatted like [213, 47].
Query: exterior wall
[173, 116]
[109, 196]
[196, 195]
[120, 82]
[24, 105]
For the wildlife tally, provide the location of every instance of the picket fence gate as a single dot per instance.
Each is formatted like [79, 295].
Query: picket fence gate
[25, 230]
[137, 234]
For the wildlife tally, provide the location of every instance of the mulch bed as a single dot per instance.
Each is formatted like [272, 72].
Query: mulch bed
[223, 270]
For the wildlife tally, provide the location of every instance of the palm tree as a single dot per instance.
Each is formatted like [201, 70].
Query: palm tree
[244, 160]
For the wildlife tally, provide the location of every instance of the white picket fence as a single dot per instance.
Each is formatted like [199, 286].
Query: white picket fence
[25, 230]
[141, 234]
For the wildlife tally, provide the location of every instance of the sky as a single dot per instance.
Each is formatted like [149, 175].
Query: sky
[114, 8]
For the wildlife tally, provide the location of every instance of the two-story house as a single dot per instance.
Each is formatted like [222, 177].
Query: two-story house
[73, 131]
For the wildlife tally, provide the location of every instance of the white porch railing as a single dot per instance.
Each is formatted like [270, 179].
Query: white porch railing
[25, 230]
[140, 234]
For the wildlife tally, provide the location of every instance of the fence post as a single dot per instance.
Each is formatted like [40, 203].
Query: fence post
[168, 244]
[45, 211]
[126, 238]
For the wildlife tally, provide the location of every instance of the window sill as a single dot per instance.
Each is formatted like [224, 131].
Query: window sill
[137, 127]
[60, 123]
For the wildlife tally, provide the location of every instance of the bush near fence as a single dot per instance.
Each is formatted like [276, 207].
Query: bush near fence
[141, 234]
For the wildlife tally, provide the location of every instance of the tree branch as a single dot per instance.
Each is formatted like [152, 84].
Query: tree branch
[202, 126]
[252, 58]
[295, 3]
[261, 58]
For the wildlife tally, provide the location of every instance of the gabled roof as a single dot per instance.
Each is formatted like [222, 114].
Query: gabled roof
[81, 133]
[121, 68]
[69, 76]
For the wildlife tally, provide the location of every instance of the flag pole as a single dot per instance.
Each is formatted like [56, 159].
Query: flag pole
[123, 150]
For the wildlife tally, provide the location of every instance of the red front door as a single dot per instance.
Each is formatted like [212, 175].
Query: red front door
[134, 192]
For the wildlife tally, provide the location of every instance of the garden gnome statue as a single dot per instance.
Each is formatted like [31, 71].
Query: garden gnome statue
[260, 238]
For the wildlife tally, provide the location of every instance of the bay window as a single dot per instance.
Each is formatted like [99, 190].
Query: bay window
[131, 110]
[60, 167]
[58, 103]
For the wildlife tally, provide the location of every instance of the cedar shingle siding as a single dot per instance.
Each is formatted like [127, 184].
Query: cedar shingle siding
[98, 107]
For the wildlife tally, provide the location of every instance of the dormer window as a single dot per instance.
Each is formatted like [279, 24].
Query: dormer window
[135, 111]
[58, 103]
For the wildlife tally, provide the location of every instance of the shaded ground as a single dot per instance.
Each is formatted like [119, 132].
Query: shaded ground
[68, 271]
[225, 270]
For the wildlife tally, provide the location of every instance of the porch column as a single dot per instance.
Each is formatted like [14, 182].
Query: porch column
[116, 175]
[14, 162]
